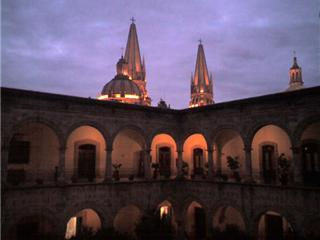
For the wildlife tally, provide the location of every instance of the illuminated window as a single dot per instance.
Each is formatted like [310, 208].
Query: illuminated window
[164, 212]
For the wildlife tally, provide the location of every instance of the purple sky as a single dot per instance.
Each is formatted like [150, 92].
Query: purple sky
[71, 47]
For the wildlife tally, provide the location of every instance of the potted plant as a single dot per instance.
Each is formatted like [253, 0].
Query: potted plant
[284, 167]
[234, 166]
[155, 167]
[116, 175]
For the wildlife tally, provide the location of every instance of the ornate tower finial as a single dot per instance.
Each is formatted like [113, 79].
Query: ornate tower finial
[132, 19]
[200, 41]
[201, 83]
[295, 74]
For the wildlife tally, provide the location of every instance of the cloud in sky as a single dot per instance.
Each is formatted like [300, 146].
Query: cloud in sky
[71, 47]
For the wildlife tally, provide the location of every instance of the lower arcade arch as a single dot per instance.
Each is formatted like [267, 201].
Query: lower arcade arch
[86, 219]
[226, 220]
[35, 227]
[273, 225]
[165, 212]
[195, 221]
[126, 220]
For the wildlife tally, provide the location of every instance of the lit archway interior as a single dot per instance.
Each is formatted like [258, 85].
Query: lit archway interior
[126, 220]
[227, 218]
[85, 219]
[166, 211]
[128, 149]
[195, 221]
[268, 144]
[85, 154]
[33, 227]
[310, 154]
[164, 152]
[195, 154]
[33, 154]
[228, 143]
[274, 226]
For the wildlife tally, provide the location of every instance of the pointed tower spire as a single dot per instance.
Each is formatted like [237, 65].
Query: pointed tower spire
[295, 74]
[201, 85]
[136, 67]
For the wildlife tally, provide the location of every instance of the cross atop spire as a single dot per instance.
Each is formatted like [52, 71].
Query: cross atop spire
[132, 19]
[200, 41]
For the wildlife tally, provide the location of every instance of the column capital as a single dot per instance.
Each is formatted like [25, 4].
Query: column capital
[210, 150]
[109, 149]
[147, 150]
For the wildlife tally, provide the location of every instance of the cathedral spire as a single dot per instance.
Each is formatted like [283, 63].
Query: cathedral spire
[201, 85]
[295, 74]
[132, 53]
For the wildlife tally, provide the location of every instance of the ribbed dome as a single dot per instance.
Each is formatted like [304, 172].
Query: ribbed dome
[122, 85]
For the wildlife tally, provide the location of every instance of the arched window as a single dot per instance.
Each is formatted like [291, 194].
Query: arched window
[87, 161]
[198, 161]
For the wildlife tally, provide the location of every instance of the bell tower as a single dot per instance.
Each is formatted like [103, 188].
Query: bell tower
[295, 74]
[201, 83]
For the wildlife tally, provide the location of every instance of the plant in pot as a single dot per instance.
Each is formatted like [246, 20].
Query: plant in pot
[131, 177]
[284, 168]
[116, 173]
[155, 167]
[234, 165]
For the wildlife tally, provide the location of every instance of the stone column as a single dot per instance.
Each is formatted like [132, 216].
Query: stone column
[147, 163]
[61, 166]
[179, 163]
[296, 164]
[4, 163]
[108, 167]
[248, 163]
[211, 168]
[219, 154]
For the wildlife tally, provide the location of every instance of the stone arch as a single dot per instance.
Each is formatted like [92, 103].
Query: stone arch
[267, 144]
[228, 141]
[80, 135]
[289, 217]
[133, 139]
[256, 127]
[126, 219]
[196, 161]
[229, 213]
[190, 221]
[34, 213]
[135, 128]
[302, 126]
[93, 124]
[90, 218]
[167, 131]
[40, 141]
[216, 131]
[194, 131]
[166, 158]
[50, 124]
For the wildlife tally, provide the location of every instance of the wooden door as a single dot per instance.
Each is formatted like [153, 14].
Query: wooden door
[200, 223]
[198, 161]
[87, 161]
[165, 161]
[268, 171]
[274, 229]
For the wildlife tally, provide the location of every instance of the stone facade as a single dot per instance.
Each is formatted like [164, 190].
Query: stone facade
[292, 112]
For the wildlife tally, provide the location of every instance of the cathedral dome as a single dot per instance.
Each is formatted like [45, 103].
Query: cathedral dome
[121, 87]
